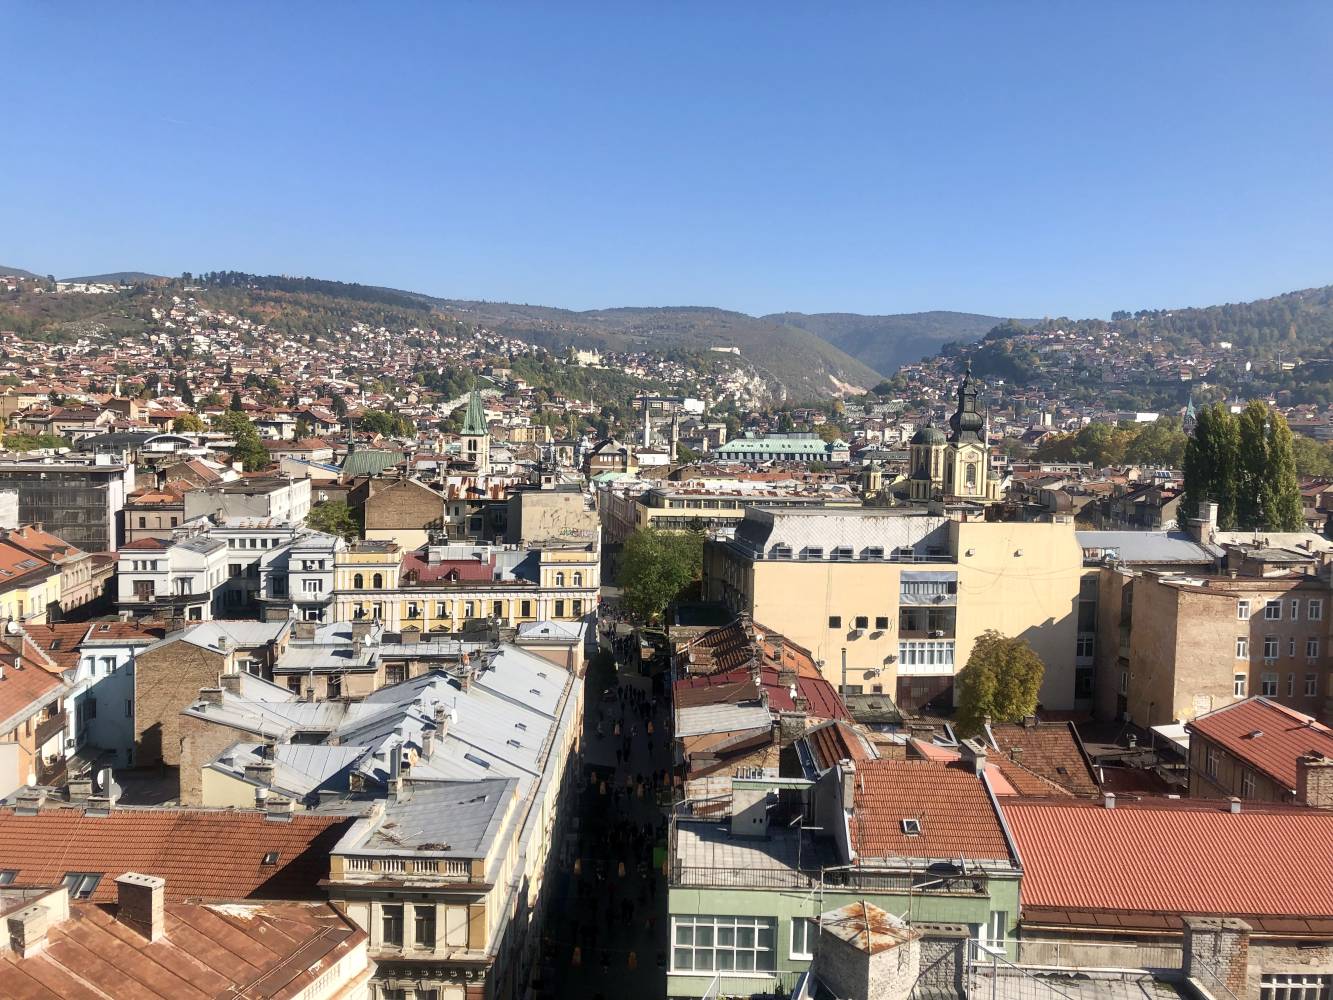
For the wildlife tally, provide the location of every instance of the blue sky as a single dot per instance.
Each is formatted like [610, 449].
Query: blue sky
[1019, 159]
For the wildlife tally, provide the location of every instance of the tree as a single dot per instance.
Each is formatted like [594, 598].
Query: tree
[249, 450]
[1211, 457]
[658, 566]
[1313, 458]
[1267, 491]
[235, 405]
[188, 423]
[184, 391]
[334, 517]
[684, 455]
[1285, 513]
[303, 430]
[1001, 680]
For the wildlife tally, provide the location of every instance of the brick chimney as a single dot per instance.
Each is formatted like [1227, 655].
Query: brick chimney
[847, 772]
[211, 696]
[29, 926]
[1217, 954]
[1314, 781]
[974, 752]
[141, 903]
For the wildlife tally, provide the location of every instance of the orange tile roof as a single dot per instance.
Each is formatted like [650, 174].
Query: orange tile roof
[204, 854]
[27, 682]
[254, 951]
[17, 563]
[956, 814]
[1266, 735]
[1174, 856]
[1051, 750]
[59, 642]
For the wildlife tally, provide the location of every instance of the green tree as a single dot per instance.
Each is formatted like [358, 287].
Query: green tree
[1268, 493]
[1285, 512]
[658, 567]
[249, 449]
[334, 517]
[1001, 680]
[1313, 458]
[188, 423]
[685, 455]
[184, 391]
[235, 405]
[1212, 455]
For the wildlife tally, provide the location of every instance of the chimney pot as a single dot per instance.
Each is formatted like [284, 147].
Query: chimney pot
[1235, 804]
[1108, 800]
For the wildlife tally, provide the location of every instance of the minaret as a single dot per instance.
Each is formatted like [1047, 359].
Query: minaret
[476, 435]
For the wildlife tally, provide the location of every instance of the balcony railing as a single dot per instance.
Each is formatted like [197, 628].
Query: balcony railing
[48, 728]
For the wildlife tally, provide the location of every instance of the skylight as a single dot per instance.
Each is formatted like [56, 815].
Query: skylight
[912, 827]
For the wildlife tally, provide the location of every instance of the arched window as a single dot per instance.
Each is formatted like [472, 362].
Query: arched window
[358, 582]
[578, 579]
[972, 475]
[560, 579]
[378, 581]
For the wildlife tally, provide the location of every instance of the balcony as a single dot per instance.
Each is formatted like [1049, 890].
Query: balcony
[54, 726]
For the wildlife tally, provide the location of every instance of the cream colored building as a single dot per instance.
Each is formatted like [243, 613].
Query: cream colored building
[905, 593]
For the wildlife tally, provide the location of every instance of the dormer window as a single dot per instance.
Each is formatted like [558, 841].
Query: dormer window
[911, 827]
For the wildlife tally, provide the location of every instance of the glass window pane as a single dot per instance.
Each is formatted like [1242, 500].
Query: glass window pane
[684, 934]
[726, 961]
[744, 961]
[726, 937]
[745, 937]
[684, 959]
[703, 937]
[766, 936]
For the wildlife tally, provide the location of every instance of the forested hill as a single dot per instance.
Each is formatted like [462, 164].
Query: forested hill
[886, 343]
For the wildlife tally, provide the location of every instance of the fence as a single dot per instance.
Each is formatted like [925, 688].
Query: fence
[753, 986]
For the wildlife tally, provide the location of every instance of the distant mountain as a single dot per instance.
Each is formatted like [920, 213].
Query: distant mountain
[802, 361]
[117, 277]
[885, 343]
[18, 272]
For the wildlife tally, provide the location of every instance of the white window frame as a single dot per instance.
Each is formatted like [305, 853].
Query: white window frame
[1272, 647]
[1268, 684]
[1243, 611]
[1312, 647]
[1314, 609]
[1311, 685]
[1273, 611]
[1247, 784]
[1295, 609]
[1291, 684]
[1294, 986]
[1210, 762]
[737, 928]
[804, 930]
[1242, 647]
[1238, 684]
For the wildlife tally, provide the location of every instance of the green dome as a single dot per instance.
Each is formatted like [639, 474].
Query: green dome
[930, 434]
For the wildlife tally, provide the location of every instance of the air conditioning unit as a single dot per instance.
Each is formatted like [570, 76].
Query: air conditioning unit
[937, 633]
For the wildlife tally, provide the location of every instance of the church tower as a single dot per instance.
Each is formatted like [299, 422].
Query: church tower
[477, 435]
[966, 470]
[927, 462]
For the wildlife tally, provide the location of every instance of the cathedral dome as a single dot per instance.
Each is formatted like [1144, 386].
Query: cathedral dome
[929, 435]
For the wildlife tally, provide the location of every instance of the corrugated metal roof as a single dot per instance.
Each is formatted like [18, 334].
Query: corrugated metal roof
[1266, 735]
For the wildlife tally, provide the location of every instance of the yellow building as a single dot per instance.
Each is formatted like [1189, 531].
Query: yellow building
[29, 585]
[906, 594]
[955, 466]
[445, 588]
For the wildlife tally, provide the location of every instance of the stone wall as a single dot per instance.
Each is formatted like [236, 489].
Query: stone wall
[166, 681]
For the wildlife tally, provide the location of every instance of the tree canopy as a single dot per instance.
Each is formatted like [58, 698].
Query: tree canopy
[1245, 464]
[1160, 442]
[249, 449]
[334, 517]
[188, 423]
[657, 567]
[1001, 681]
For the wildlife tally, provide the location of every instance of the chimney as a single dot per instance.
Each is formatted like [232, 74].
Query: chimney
[847, 771]
[211, 696]
[141, 903]
[260, 772]
[974, 752]
[1108, 800]
[230, 683]
[1314, 781]
[786, 676]
[29, 926]
[304, 631]
[1235, 805]
[79, 787]
[791, 726]
[279, 809]
[427, 743]
[223, 644]
[361, 629]
[29, 801]
[1029, 722]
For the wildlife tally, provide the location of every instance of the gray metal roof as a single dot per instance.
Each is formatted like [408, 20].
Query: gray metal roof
[702, 719]
[447, 818]
[1149, 546]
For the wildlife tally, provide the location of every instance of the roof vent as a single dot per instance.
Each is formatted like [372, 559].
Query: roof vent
[1235, 804]
[1254, 734]
[1108, 800]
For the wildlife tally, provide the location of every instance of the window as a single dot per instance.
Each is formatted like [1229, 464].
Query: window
[1291, 647]
[1270, 647]
[1295, 610]
[578, 579]
[862, 621]
[391, 917]
[1273, 611]
[928, 588]
[813, 552]
[1311, 685]
[82, 885]
[1087, 645]
[1247, 784]
[334, 686]
[377, 581]
[926, 656]
[1242, 647]
[993, 932]
[425, 926]
[835, 621]
[560, 579]
[525, 609]
[498, 609]
[1210, 762]
[308, 586]
[1238, 685]
[1314, 610]
[841, 552]
[441, 609]
[1268, 684]
[804, 932]
[578, 608]
[359, 582]
[8, 875]
[560, 609]
[143, 522]
[1124, 682]
[881, 622]
[873, 552]
[1312, 647]
[1295, 986]
[723, 944]
[1291, 685]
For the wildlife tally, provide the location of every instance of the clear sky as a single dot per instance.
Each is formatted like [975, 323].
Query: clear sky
[1013, 158]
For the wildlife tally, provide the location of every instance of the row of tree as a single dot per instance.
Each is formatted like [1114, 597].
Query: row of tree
[1245, 463]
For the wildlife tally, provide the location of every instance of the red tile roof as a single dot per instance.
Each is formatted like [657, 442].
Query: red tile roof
[26, 684]
[1174, 856]
[204, 854]
[956, 815]
[738, 685]
[832, 742]
[1051, 750]
[467, 569]
[247, 950]
[1266, 735]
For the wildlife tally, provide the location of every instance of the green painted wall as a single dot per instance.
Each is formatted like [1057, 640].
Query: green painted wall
[784, 904]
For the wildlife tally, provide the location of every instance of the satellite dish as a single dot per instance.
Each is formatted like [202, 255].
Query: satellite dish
[11, 627]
